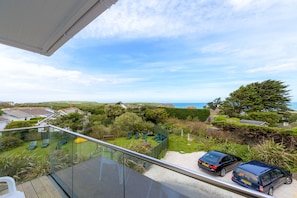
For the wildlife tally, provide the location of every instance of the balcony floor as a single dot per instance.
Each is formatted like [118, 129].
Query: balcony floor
[39, 187]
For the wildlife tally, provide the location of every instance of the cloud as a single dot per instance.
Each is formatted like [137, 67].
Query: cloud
[219, 47]
[30, 78]
[287, 67]
[129, 19]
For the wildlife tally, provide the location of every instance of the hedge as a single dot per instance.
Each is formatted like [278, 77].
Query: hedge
[253, 134]
[183, 114]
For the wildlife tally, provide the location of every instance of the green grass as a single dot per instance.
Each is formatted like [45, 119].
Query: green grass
[182, 145]
[24, 149]
[123, 142]
[84, 149]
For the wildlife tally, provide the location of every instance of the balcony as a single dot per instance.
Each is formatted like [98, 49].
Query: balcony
[74, 165]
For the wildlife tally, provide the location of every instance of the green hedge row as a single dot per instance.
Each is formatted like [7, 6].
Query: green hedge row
[231, 126]
[183, 114]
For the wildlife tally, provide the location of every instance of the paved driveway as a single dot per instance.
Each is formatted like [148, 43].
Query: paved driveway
[189, 161]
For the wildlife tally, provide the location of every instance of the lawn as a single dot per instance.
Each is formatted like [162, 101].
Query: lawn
[84, 149]
[123, 142]
[183, 145]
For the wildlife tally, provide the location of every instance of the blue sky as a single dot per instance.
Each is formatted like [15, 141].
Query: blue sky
[162, 51]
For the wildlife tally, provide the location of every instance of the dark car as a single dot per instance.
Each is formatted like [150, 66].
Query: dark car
[260, 176]
[218, 163]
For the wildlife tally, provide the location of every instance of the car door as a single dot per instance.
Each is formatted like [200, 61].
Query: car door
[277, 177]
[227, 163]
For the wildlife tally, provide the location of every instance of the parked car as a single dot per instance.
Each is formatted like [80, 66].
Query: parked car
[218, 163]
[260, 176]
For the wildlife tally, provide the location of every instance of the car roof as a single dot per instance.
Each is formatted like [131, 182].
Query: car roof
[256, 167]
[217, 153]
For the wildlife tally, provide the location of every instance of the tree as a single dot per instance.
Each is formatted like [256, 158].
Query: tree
[269, 95]
[130, 122]
[214, 104]
[73, 121]
[113, 111]
[156, 115]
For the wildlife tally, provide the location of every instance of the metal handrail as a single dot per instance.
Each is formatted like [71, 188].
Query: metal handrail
[184, 171]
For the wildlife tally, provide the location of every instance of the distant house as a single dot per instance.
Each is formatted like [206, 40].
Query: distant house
[26, 113]
[6, 103]
[254, 122]
[70, 110]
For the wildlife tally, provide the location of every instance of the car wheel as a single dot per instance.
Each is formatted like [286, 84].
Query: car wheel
[270, 191]
[288, 180]
[223, 172]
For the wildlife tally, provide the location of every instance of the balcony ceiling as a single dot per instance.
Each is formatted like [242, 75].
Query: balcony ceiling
[43, 26]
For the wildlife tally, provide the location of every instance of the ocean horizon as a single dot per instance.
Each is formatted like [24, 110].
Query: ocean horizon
[200, 105]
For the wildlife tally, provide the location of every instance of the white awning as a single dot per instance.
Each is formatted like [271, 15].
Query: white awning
[43, 26]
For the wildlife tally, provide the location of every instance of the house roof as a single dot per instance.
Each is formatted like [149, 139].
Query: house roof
[3, 119]
[44, 26]
[255, 122]
[70, 110]
[27, 112]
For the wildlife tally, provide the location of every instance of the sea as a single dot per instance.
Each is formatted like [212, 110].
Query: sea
[200, 105]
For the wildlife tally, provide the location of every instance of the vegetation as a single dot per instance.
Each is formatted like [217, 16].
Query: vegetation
[130, 122]
[24, 166]
[20, 124]
[215, 104]
[274, 153]
[269, 95]
[188, 114]
[270, 117]
[7, 143]
[188, 132]
[73, 121]
[206, 140]
[156, 115]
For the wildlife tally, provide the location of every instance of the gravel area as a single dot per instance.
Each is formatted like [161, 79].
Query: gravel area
[189, 161]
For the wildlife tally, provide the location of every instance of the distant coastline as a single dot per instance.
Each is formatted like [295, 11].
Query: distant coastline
[200, 105]
[183, 105]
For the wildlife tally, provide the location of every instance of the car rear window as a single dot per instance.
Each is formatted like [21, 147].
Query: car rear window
[211, 158]
[246, 177]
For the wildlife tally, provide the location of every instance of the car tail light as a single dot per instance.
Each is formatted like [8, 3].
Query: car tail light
[232, 174]
[261, 189]
[199, 161]
[213, 167]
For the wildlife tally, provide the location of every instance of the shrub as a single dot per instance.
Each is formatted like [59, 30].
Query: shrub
[143, 147]
[294, 130]
[7, 143]
[183, 114]
[221, 118]
[98, 131]
[273, 153]
[23, 166]
[271, 117]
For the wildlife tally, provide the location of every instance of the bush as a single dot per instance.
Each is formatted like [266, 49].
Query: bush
[221, 118]
[7, 143]
[23, 166]
[98, 131]
[184, 114]
[271, 117]
[175, 126]
[273, 153]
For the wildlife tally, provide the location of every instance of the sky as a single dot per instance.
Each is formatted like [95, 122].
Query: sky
[161, 51]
